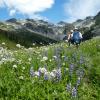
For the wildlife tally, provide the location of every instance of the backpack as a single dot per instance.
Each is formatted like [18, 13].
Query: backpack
[76, 36]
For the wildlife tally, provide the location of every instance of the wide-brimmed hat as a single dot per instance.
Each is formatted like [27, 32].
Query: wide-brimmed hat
[71, 31]
[76, 28]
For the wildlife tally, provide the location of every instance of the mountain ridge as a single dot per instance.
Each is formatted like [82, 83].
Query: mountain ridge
[48, 31]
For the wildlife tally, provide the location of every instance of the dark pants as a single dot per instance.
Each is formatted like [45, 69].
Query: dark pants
[74, 41]
[78, 41]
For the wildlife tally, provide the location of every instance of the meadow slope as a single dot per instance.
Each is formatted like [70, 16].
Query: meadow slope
[52, 72]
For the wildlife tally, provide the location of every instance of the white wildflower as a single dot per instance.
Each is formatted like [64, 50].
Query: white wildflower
[3, 59]
[45, 58]
[52, 75]
[66, 69]
[21, 77]
[41, 43]
[15, 51]
[63, 56]
[42, 70]
[18, 45]
[34, 44]
[1, 55]
[29, 59]
[37, 73]
[14, 66]
[46, 49]
[40, 55]
[55, 57]
[66, 40]
[47, 75]
[50, 60]
[63, 64]
[3, 43]
[23, 68]
[19, 61]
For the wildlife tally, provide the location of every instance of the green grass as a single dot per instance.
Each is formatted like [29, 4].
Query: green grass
[9, 44]
[18, 84]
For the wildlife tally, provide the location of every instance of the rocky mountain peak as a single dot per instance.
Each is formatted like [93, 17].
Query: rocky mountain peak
[12, 20]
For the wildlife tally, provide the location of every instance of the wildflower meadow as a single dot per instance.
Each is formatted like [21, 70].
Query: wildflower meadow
[51, 72]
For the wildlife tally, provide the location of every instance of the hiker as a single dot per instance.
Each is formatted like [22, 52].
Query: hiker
[76, 37]
[70, 36]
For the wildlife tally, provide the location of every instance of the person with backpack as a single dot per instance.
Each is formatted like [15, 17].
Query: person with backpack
[76, 37]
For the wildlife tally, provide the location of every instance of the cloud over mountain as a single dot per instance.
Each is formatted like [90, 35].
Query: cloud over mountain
[77, 9]
[26, 7]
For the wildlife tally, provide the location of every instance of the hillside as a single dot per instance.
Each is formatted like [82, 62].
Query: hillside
[87, 22]
[54, 72]
[23, 35]
[9, 44]
[29, 31]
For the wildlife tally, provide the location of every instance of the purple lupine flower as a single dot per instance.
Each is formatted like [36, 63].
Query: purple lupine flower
[65, 58]
[58, 74]
[42, 71]
[78, 81]
[81, 60]
[59, 64]
[80, 72]
[74, 56]
[68, 88]
[74, 92]
[39, 72]
[71, 69]
[46, 76]
[32, 72]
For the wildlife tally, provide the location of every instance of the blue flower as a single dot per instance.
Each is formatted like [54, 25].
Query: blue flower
[65, 58]
[68, 88]
[81, 60]
[80, 72]
[32, 72]
[46, 76]
[58, 74]
[78, 81]
[74, 92]
[71, 69]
